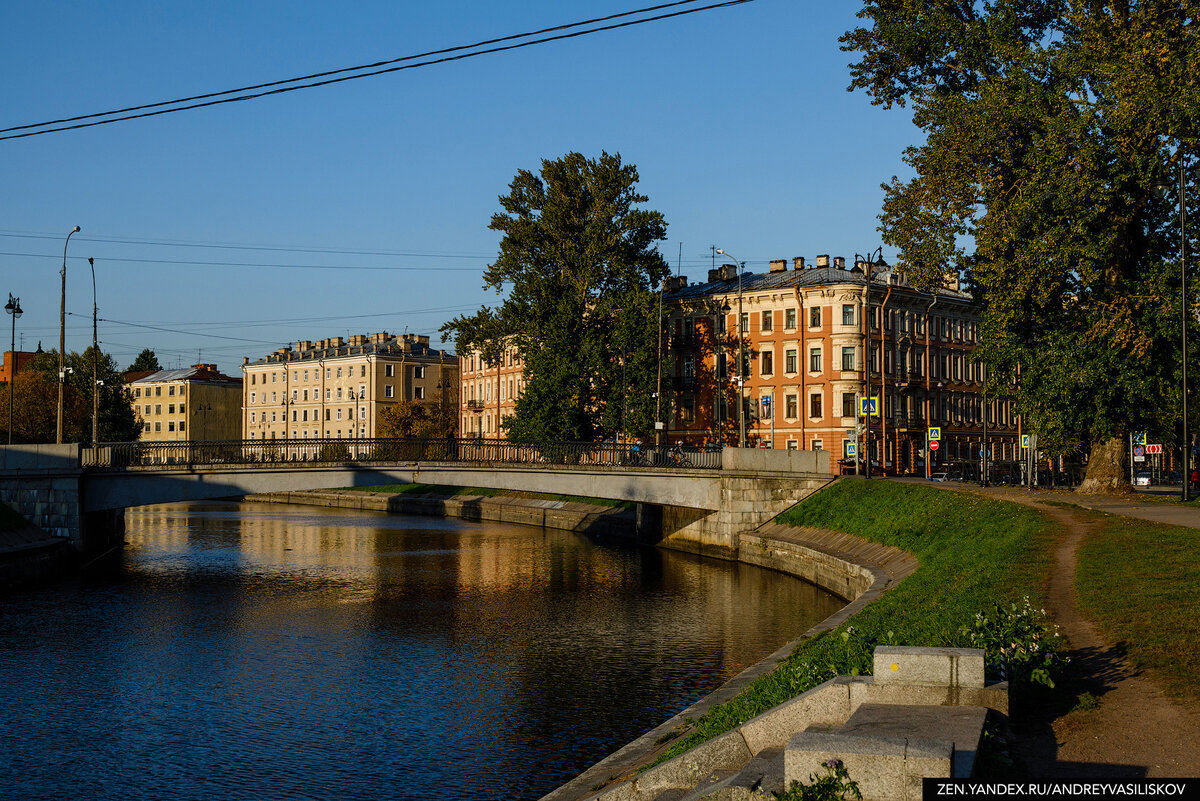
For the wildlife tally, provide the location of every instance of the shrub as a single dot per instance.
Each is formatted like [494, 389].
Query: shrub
[1019, 642]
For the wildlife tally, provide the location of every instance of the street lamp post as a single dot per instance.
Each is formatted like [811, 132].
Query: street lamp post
[741, 382]
[13, 307]
[95, 357]
[869, 265]
[62, 338]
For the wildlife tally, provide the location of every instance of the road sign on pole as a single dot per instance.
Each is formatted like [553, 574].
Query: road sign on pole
[1139, 438]
[935, 433]
[1024, 440]
[868, 406]
[933, 445]
[1154, 449]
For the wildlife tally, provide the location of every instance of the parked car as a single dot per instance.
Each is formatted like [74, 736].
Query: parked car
[939, 477]
[1142, 480]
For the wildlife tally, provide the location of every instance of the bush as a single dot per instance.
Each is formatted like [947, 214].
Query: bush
[834, 785]
[1019, 642]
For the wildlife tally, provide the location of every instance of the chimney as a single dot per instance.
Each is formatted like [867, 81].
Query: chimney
[778, 265]
[245, 360]
[798, 263]
[303, 345]
[729, 272]
[822, 260]
[715, 275]
[210, 367]
[839, 262]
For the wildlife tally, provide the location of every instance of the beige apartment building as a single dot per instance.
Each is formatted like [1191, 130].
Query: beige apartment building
[338, 388]
[815, 338]
[489, 393]
[198, 403]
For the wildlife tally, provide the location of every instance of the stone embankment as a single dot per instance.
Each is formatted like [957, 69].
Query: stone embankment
[29, 556]
[851, 568]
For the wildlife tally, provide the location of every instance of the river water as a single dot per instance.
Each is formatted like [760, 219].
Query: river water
[254, 651]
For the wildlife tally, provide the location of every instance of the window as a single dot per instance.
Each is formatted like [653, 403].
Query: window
[305, 375]
[768, 320]
[339, 372]
[326, 414]
[295, 395]
[252, 417]
[817, 445]
[273, 377]
[847, 314]
[768, 363]
[791, 404]
[389, 370]
[252, 397]
[137, 392]
[687, 409]
[295, 415]
[304, 417]
[306, 394]
[181, 425]
[419, 393]
[722, 365]
[147, 428]
[328, 373]
[848, 404]
[789, 318]
[158, 391]
[171, 390]
[744, 326]
[814, 360]
[792, 445]
[814, 317]
[158, 408]
[274, 397]
[848, 357]
[362, 371]
[328, 393]
[170, 425]
[339, 414]
[419, 370]
[181, 409]
[147, 408]
[157, 425]
[814, 406]
[387, 390]
[790, 358]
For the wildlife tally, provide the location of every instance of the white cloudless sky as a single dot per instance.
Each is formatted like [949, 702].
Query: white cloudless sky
[364, 206]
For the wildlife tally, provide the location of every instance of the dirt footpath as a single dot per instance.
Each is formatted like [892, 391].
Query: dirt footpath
[1135, 730]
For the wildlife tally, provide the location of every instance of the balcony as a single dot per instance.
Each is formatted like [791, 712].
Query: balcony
[477, 405]
[683, 381]
[683, 341]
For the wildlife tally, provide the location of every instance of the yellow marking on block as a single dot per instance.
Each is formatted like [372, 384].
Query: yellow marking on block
[895, 667]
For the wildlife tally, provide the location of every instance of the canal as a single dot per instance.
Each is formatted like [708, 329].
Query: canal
[259, 651]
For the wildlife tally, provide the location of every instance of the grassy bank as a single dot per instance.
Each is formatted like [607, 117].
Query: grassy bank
[445, 489]
[1138, 582]
[974, 552]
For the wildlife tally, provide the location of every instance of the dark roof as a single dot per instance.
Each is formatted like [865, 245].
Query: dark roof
[820, 276]
[186, 374]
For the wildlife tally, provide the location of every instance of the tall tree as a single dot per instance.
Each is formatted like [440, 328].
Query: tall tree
[146, 360]
[1049, 123]
[579, 269]
[118, 422]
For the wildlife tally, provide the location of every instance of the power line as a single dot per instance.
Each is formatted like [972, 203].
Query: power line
[24, 132]
[231, 246]
[198, 263]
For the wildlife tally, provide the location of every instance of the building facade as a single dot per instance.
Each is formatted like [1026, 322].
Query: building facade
[198, 403]
[15, 362]
[813, 340]
[337, 388]
[489, 393]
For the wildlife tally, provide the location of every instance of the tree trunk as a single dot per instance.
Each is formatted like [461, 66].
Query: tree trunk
[1107, 470]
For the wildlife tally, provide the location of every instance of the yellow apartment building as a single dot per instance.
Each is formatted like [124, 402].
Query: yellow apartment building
[197, 403]
[337, 388]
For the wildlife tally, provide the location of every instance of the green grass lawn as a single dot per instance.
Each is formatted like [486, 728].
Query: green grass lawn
[442, 489]
[974, 552]
[1138, 581]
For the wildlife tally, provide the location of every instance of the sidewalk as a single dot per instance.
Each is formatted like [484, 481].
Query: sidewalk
[1143, 505]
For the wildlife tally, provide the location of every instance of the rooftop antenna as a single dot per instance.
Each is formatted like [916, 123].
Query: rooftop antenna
[679, 261]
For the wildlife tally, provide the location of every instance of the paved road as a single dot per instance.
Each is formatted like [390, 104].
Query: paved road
[1147, 505]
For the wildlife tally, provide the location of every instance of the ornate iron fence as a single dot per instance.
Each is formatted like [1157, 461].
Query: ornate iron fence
[274, 452]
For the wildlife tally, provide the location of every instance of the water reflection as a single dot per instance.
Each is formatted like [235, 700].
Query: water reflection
[255, 651]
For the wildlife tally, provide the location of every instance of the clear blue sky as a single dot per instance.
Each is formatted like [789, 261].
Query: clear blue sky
[738, 120]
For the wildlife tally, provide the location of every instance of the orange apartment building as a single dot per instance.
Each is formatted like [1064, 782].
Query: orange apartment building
[806, 365]
[489, 393]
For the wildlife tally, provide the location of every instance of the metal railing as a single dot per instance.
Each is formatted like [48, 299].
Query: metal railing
[274, 452]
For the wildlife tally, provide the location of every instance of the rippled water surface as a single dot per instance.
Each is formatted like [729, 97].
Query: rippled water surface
[245, 651]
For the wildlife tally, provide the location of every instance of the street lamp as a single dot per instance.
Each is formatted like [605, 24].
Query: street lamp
[62, 338]
[867, 317]
[1186, 449]
[741, 356]
[96, 383]
[13, 307]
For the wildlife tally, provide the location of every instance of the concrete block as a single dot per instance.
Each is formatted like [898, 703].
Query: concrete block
[864, 690]
[953, 667]
[827, 703]
[885, 768]
[927, 729]
[726, 752]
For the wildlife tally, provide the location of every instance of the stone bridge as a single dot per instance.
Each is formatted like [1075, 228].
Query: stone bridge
[79, 493]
